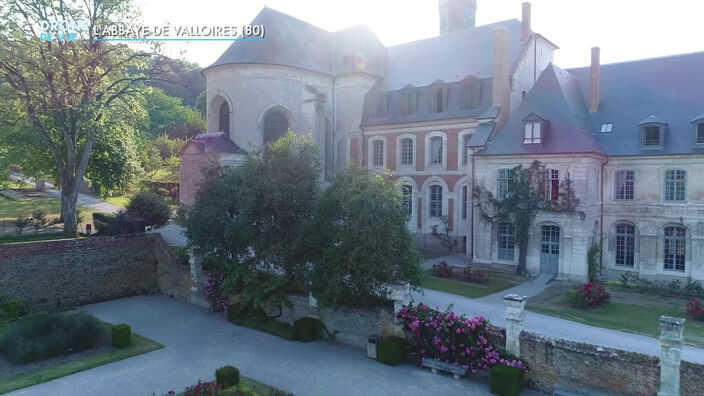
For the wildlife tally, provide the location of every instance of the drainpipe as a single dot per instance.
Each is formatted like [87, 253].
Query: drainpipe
[601, 218]
[471, 215]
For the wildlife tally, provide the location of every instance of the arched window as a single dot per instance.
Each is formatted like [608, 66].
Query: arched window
[378, 153]
[625, 244]
[406, 151]
[436, 150]
[435, 200]
[675, 238]
[275, 126]
[224, 118]
[464, 202]
[407, 192]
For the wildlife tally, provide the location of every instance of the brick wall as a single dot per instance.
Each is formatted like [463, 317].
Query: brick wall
[52, 275]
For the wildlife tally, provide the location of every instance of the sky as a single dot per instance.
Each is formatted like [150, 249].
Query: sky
[624, 29]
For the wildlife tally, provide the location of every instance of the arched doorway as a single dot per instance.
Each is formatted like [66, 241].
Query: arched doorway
[549, 249]
[275, 126]
[224, 118]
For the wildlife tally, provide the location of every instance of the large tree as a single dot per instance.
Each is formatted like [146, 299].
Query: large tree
[525, 198]
[67, 89]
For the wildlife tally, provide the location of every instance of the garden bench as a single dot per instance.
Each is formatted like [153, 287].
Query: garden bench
[436, 365]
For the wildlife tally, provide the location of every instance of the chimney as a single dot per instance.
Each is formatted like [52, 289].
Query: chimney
[595, 83]
[525, 22]
[500, 81]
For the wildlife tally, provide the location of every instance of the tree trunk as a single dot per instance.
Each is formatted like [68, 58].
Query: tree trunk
[522, 253]
[69, 196]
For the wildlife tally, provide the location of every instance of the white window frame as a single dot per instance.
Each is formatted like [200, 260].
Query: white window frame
[499, 180]
[500, 236]
[431, 201]
[532, 137]
[624, 235]
[462, 149]
[616, 184]
[674, 239]
[399, 151]
[428, 159]
[607, 127]
[665, 185]
[370, 152]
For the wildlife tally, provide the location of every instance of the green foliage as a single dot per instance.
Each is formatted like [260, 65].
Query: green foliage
[442, 232]
[254, 318]
[593, 261]
[227, 376]
[167, 115]
[181, 79]
[525, 198]
[306, 329]
[360, 240]
[151, 207]
[169, 147]
[21, 223]
[41, 337]
[391, 350]
[693, 288]
[121, 336]
[506, 380]
[259, 211]
[180, 253]
[11, 309]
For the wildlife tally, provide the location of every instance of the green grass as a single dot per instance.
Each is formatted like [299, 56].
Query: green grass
[139, 346]
[11, 209]
[497, 283]
[164, 175]
[31, 237]
[120, 201]
[630, 318]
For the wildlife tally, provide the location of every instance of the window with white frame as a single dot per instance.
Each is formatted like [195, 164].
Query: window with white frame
[607, 127]
[675, 185]
[406, 151]
[436, 150]
[437, 98]
[651, 136]
[378, 153]
[675, 238]
[408, 102]
[504, 178]
[699, 130]
[532, 133]
[465, 198]
[625, 244]
[624, 184]
[465, 143]
[551, 184]
[470, 93]
[506, 241]
[378, 101]
[407, 193]
[435, 200]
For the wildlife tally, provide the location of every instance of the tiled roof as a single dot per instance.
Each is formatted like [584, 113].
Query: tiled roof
[216, 142]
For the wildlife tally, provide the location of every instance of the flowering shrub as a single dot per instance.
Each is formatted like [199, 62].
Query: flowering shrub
[587, 295]
[213, 291]
[203, 389]
[466, 274]
[695, 309]
[450, 338]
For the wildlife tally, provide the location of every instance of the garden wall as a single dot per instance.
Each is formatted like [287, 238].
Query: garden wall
[51, 275]
[353, 325]
[578, 367]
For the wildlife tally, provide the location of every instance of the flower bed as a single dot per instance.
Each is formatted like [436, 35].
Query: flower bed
[466, 274]
[588, 295]
[452, 339]
[695, 310]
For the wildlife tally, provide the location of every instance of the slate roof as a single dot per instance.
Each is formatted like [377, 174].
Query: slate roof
[290, 41]
[216, 142]
[666, 90]
[555, 97]
[448, 57]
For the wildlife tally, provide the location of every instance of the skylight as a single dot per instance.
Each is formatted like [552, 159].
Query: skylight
[606, 127]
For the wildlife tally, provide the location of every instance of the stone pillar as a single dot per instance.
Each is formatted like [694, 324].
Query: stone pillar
[401, 294]
[196, 263]
[670, 355]
[515, 314]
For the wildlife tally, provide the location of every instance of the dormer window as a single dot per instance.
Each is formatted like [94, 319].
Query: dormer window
[534, 129]
[407, 105]
[378, 106]
[438, 97]
[470, 93]
[652, 131]
[699, 130]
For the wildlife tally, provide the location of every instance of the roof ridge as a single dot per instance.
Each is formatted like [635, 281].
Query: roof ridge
[656, 58]
[476, 28]
[292, 17]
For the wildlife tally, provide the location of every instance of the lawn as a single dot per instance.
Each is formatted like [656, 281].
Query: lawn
[165, 175]
[639, 318]
[11, 209]
[497, 282]
[121, 200]
[139, 346]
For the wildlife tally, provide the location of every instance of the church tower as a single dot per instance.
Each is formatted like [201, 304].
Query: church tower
[457, 14]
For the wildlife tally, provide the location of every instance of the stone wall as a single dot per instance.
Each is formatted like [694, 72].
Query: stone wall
[351, 324]
[578, 367]
[51, 275]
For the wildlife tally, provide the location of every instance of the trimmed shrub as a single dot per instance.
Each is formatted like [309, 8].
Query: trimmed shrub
[151, 207]
[121, 336]
[506, 380]
[587, 295]
[227, 376]
[306, 329]
[391, 350]
[45, 336]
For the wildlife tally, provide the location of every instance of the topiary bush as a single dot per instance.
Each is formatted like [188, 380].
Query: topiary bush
[506, 380]
[227, 376]
[391, 350]
[45, 336]
[306, 329]
[121, 336]
[151, 207]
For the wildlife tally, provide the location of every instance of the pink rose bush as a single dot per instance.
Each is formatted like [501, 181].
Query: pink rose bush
[213, 291]
[450, 338]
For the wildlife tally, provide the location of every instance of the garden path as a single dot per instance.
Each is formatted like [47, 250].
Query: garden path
[197, 342]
